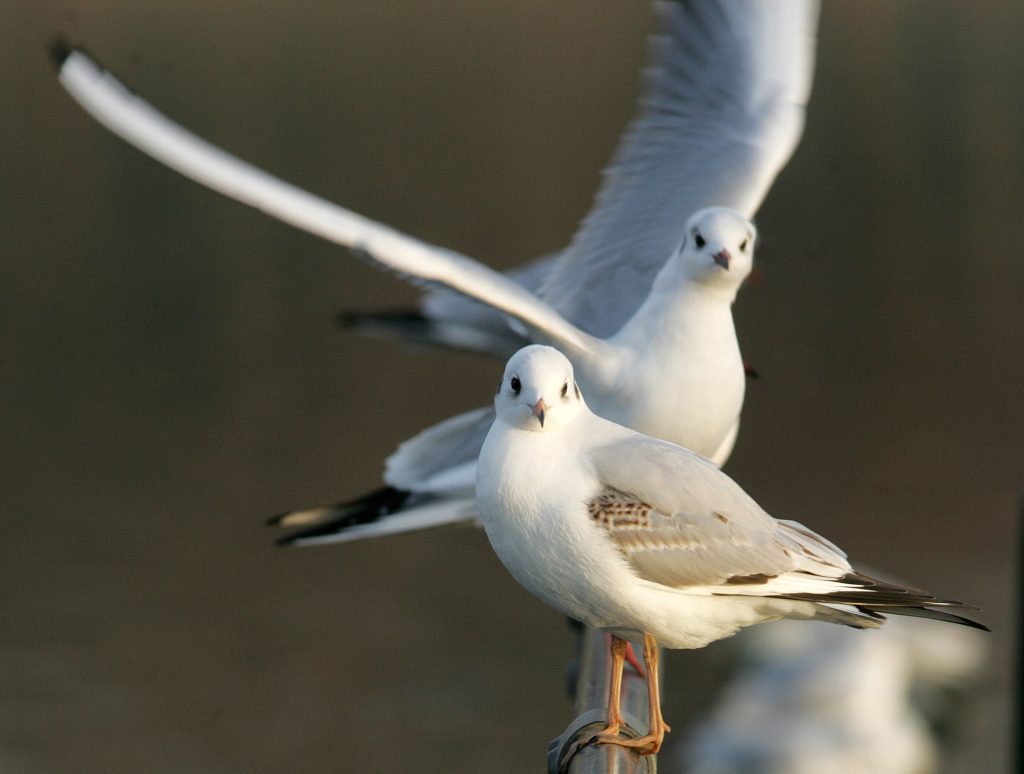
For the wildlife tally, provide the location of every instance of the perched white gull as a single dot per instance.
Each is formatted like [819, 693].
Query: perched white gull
[647, 540]
[641, 299]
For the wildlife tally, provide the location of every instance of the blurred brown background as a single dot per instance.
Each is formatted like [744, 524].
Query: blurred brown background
[171, 376]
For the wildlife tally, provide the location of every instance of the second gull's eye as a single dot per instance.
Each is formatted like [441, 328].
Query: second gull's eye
[565, 389]
[516, 385]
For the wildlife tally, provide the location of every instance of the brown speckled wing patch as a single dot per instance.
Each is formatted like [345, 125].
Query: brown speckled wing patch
[614, 510]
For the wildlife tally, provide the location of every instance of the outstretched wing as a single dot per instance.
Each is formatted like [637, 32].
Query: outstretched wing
[721, 112]
[137, 122]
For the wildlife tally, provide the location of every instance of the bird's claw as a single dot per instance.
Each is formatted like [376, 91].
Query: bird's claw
[644, 745]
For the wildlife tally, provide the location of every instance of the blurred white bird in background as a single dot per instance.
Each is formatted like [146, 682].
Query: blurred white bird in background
[823, 700]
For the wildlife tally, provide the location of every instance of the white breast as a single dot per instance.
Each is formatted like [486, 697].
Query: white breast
[683, 383]
[549, 545]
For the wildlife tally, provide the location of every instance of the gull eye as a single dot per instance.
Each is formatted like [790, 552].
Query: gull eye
[516, 385]
[743, 246]
[565, 389]
[699, 240]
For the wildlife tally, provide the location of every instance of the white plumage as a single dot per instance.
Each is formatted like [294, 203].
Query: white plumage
[649, 330]
[643, 538]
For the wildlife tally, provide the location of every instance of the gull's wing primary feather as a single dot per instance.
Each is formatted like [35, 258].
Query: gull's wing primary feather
[140, 124]
[721, 112]
[430, 483]
[337, 528]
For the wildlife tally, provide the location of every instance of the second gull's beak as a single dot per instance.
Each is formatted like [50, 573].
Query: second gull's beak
[538, 410]
[722, 258]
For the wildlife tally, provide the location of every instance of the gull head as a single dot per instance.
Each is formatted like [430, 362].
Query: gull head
[718, 247]
[538, 391]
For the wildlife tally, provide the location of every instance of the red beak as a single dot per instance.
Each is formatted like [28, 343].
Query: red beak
[722, 258]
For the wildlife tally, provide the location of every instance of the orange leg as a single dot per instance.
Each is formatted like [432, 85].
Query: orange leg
[614, 714]
[645, 745]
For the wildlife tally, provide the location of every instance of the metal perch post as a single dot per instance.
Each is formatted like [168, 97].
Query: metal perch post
[592, 680]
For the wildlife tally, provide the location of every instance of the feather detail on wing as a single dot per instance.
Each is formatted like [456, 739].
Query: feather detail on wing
[684, 526]
[707, 548]
[721, 113]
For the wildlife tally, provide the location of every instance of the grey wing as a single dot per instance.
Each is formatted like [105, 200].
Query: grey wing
[680, 521]
[721, 112]
[683, 524]
[442, 456]
[704, 548]
[451, 320]
[460, 313]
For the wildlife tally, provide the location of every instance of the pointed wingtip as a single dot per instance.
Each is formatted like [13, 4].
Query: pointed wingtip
[307, 515]
[331, 519]
[965, 621]
[60, 49]
[395, 318]
[306, 533]
[939, 614]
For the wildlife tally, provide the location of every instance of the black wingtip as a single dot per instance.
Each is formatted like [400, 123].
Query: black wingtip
[964, 621]
[346, 319]
[363, 510]
[329, 527]
[60, 50]
[941, 615]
